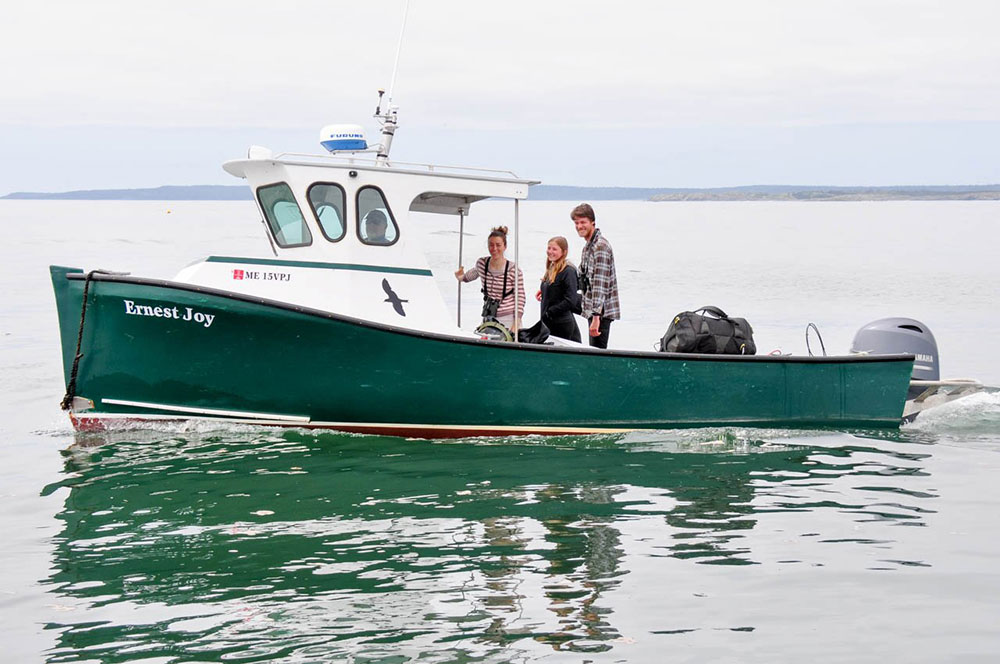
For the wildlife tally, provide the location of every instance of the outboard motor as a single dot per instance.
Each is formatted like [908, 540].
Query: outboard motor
[901, 335]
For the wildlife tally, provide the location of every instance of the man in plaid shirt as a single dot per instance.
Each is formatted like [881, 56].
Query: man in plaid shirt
[597, 277]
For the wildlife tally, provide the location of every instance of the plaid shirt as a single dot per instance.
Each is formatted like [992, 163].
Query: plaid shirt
[598, 263]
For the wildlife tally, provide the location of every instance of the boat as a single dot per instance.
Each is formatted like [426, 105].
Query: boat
[343, 327]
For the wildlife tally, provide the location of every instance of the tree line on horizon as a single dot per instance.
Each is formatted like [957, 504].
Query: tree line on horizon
[574, 193]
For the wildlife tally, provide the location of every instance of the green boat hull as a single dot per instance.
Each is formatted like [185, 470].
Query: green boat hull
[163, 350]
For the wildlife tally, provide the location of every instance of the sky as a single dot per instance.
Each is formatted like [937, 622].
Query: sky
[110, 94]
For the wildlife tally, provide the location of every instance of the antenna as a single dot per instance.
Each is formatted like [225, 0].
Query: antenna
[388, 120]
[399, 48]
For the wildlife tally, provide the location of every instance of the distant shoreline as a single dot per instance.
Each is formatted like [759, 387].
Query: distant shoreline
[989, 192]
[823, 195]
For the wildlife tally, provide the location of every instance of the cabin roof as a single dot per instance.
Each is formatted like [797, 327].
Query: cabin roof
[443, 189]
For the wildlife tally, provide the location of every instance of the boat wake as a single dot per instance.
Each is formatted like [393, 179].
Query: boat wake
[976, 413]
[721, 440]
[707, 440]
[126, 431]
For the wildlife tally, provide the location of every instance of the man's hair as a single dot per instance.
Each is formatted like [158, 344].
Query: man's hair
[583, 210]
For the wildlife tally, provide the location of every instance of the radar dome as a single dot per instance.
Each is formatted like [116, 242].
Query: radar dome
[348, 137]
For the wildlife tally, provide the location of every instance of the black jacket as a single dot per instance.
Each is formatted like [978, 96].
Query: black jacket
[558, 300]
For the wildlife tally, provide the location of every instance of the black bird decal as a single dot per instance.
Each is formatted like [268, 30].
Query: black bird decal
[397, 304]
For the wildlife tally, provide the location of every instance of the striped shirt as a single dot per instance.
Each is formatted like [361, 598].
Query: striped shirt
[598, 264]
[493, 281]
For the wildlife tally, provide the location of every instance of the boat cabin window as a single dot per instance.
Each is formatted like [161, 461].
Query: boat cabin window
[328, 203]
[375, 222]
[283, 215]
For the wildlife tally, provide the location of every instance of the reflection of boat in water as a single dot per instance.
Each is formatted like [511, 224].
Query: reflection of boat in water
[214, 544]
[343, 327]
[413, 539]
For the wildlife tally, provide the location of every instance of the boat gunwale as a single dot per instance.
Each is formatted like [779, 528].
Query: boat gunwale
[438, 336]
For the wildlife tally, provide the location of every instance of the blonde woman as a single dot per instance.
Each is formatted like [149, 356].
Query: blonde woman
[558, 293]
[499, 277]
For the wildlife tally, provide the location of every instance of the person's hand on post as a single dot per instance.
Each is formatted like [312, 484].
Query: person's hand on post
[460, 272]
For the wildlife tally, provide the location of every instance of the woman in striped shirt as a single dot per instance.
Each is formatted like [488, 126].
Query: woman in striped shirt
[501, 278]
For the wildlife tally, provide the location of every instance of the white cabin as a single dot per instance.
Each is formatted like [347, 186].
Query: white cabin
[342, 237]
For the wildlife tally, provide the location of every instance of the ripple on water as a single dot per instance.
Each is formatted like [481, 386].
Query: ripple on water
[202, 542]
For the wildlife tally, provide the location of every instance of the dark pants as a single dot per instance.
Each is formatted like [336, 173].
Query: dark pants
[564, 327]
[601, 340]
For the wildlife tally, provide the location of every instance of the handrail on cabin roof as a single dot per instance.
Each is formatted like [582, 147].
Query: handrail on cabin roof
[431, 168]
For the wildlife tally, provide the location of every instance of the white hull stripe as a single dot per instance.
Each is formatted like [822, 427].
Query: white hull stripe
[205, 411]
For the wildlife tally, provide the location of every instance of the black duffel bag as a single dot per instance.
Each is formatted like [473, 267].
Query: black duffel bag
[708, 330]
[536, 334]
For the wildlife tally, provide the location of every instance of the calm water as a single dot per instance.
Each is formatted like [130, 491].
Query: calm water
[201, 545]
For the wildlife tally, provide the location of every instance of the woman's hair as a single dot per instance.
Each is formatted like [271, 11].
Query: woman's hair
[552, 269]
[500, 232]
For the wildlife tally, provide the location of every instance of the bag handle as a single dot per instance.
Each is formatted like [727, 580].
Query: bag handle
[714, 310]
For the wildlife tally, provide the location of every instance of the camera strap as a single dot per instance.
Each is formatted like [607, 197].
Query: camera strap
[486, 271]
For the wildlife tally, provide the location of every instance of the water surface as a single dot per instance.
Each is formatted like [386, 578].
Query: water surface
[193, 544]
